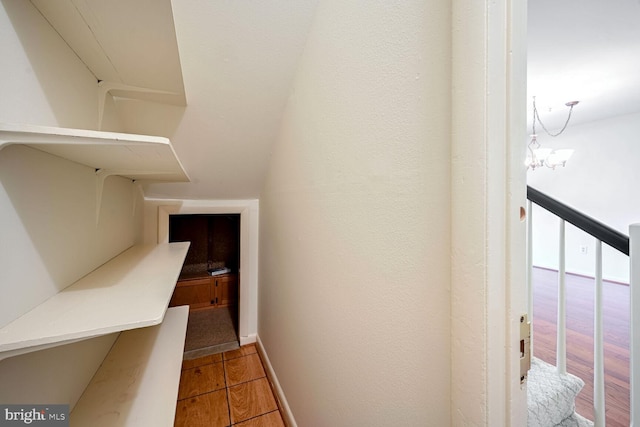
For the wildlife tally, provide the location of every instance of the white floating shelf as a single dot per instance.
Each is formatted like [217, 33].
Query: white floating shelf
[137, 384]
[130, 291]
[132, 156]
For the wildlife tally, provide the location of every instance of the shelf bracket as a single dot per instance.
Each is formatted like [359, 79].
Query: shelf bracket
[136, 191]
[4, 143]
[133, 92]
[103, 174]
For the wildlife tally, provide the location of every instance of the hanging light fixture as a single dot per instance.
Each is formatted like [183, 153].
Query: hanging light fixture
[538, 156]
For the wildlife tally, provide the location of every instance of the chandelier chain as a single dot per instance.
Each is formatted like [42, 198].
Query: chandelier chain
[536, 116]
[539, 157]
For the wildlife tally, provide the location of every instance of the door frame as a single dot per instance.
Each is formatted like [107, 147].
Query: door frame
[488, 180]
[517, 293]
[248, 272]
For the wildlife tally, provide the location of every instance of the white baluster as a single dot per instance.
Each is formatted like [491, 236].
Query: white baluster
[530, 268]
[598, 345]
[634, 297]
[561, 347]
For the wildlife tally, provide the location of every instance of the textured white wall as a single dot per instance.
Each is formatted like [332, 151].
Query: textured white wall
[354, 256]
[601, 179]
[47, 204]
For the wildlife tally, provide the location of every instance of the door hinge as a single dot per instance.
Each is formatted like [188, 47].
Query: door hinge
[525, 348]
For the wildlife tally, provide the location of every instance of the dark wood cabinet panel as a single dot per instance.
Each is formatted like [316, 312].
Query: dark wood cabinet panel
[210, 291]
[215, 240]
[194, 293]
[226, 289]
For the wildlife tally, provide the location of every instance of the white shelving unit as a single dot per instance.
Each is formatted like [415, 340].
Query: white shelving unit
[137, 384]
[130, 291]
[135, 157]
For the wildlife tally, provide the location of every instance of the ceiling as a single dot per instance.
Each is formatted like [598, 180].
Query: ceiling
[233, 63]
[584, 50]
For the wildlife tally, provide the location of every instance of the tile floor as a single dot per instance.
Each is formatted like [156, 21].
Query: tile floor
[226, 389]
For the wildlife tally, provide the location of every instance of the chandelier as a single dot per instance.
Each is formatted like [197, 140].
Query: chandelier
[538, 156]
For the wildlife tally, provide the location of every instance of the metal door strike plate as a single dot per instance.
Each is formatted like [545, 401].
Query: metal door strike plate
[525, 348]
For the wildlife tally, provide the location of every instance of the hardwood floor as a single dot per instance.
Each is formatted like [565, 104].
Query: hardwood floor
[226, 389]
[579, 323]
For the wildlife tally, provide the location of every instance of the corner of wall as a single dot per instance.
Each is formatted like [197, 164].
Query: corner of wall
[283, 404]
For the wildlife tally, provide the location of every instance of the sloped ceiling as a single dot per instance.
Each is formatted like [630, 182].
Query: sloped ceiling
[237, 60]
[585, 50]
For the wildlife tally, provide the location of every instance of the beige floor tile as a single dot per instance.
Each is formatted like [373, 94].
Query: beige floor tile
[200, 380]
[210, 410]
[243, 369]
[250, 399]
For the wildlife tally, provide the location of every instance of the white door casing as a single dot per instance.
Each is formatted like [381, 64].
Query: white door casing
[488, 188]
[248, 210]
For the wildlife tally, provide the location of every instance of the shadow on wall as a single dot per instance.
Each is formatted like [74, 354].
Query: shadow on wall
[51, 234]
[69, 87]
[58, 73]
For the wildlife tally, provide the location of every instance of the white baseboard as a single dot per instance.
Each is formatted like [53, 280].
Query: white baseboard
[287, 415]
[249, 339]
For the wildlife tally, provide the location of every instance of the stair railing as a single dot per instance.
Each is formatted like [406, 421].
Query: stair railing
[634, 335]
[603, 234]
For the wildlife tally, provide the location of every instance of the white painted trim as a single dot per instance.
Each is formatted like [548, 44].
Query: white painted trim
[488, 69]
[634, 335]
[598, 342]
[561, 335]
[285, 410]
[249, 212]
[516, 188]
[248, 339]
[496, 102]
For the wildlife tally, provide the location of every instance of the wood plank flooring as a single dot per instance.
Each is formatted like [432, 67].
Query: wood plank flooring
[580, 291]
[226, 389]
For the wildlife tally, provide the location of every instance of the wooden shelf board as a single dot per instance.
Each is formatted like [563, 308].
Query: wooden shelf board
[132, 156]
[130, 291]
[137, 384]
